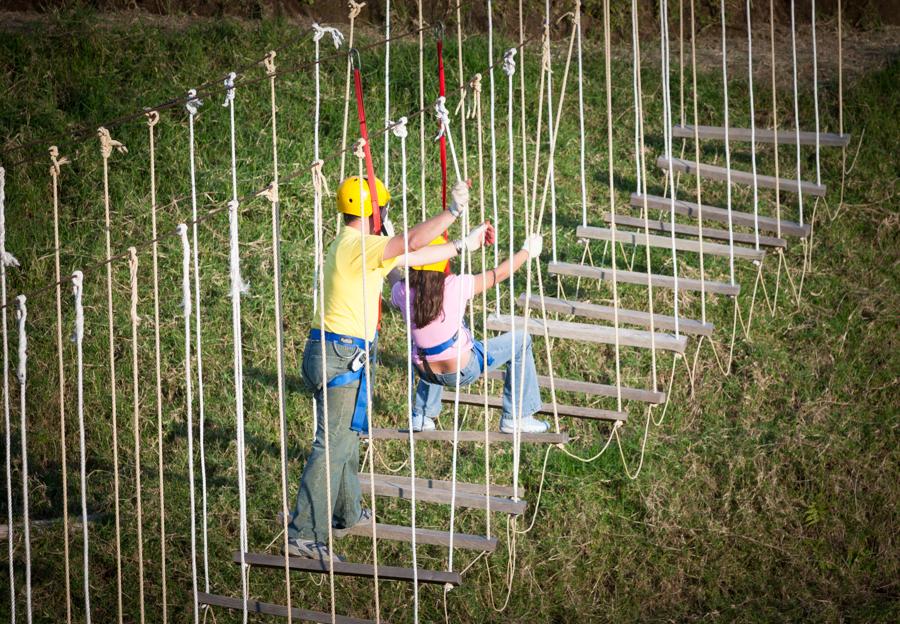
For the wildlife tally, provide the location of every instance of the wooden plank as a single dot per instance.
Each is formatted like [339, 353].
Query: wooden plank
[590, 333]
[720, 215]
[738, 176]
[390, 573]
[441, 484]
[267, 608]
[442, 496]
[470, 436]
[786, 136]
[627, 317]
[575, 411]
[432, 537]
[597, 389]
[667, 242]
[635, 277]
[662, 225]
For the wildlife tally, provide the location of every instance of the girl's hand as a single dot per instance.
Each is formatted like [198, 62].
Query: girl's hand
[476, 237]
[489, 234]
[533, 245]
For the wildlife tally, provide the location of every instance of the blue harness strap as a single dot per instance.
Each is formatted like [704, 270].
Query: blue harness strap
[360, 420]
[477, 347]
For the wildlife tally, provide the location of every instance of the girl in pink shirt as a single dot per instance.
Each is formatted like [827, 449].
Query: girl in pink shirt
[434, 303]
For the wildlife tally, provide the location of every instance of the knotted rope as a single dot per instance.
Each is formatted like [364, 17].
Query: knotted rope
[136, 422]
[355, 9]
[337, 37]
[77, 290]
[22, 374]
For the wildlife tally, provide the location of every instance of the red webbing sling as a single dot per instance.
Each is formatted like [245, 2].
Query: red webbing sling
[442, 91]
[364, 133]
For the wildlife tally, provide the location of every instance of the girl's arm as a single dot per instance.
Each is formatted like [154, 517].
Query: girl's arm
[530, 249]
[436, 253]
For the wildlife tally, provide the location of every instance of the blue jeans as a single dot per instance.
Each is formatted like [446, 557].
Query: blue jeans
[504, 352]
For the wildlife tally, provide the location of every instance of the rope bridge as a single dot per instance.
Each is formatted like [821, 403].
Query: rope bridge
[646, 314]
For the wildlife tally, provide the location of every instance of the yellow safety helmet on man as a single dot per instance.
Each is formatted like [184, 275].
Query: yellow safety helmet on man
[353, 197]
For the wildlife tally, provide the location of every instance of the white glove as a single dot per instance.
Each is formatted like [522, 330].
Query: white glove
[459, 198]
[475, 239]
[533, 245]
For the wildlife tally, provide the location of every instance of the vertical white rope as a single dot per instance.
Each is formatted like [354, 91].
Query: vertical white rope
[10, 537]
[422, 118]
[193, 106]
[77, 286]
[775, 121]
[581, 134]
[462, 85]
[387, 94]
[399, 130]
[136, 425]
[22, 374]
[107, 144]
[279, 334]
[815, 55]
[189, 402]
[635, 43]
[752, 128]
[728, 187]
[57, 161]
[152, 120]
[697, 180]
[796, 110]
[551, 163]
[490, 18]
[355, 9]
[667, 140]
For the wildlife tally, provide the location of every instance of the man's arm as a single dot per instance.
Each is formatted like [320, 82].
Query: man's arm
[420, 235]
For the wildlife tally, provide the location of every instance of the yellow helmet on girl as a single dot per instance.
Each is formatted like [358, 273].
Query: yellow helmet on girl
[353, 197]
[440, 267]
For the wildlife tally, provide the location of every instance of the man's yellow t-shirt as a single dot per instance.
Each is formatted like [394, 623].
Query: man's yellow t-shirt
[345, 304]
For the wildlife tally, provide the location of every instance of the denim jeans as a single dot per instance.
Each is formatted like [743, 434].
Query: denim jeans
[503, 352]
[311, 514]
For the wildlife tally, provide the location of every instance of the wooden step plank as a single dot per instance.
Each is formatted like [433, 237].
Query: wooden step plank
[786, 136]
[596, 389]
[720, 215]
[666, 242]
[575, 411]
[445, 484]
[399, 533]
[389, 573]
[627, 317]
[635, 277]
[590, 333]
[738, 176]
[267, 608]
[470, 436]
[662, 225]
[442, 496]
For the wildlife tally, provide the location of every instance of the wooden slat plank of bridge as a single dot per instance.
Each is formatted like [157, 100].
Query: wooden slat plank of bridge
[786, 136]
[575, 411]
[494, 437]
[738, 176]
[666, 242]
[720, 215]
[399, 533]
[596, 389]
[389, 573]
[640, 279]
[397, 489]
[266, 608]
[662, 225]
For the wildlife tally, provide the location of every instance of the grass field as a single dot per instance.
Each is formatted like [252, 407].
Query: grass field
[766, 494]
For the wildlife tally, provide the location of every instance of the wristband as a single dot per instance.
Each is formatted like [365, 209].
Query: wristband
[458, 243]
[454, 210]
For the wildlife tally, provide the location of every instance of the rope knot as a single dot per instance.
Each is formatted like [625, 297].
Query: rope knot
[21, 315]
[107, 143]
[359, 148]
[509, 62]
[56, 160]
[238, 285]
[193, 103]
[443, 117]
[152, 118]
[355, 9]
[270, 193]
[475, 86]
[132, 272]
[181, 230]
[399, 128]
[77, 287]
[320, 183]
[269, 63]
[545, 56]
[337, 37]
[229, 89]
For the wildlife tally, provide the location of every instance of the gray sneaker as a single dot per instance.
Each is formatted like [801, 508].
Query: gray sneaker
[311, 550]
[365, 515]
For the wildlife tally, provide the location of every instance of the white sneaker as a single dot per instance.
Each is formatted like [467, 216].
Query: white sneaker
[529, 424]
[422, 423]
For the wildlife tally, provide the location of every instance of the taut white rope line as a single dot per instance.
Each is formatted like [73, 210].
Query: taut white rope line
[727, 148]
[462, 84]
[752, 128]
[189, 400]
[193, 106]
[355, 9]
[22, 374]
[136, 424]
[422, 118]
[550, 128]
[490, 18]
[815, 56]
[775, 128]
[667, 140]
[399, 129]
[57, 162]
[77, 283]
[581, 138]
[387, 92]
[107, 144]
[6, 410]
[697, 166]
[279, 333]
[152, 120]
[796, 110]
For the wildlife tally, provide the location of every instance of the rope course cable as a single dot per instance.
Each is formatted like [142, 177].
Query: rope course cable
[21, 375]
[10, 536]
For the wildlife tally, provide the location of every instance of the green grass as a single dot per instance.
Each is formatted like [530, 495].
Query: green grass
[769, 494]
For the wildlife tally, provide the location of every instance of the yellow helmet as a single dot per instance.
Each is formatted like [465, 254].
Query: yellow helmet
[349, 199]
[440, 267]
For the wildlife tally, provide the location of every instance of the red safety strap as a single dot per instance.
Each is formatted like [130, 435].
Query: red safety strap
[364, 133]
[442, 91]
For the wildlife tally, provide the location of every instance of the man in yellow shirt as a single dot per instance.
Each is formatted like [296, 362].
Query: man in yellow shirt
[334, 360]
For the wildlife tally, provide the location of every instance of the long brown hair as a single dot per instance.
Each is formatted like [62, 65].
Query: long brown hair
[428, 301]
